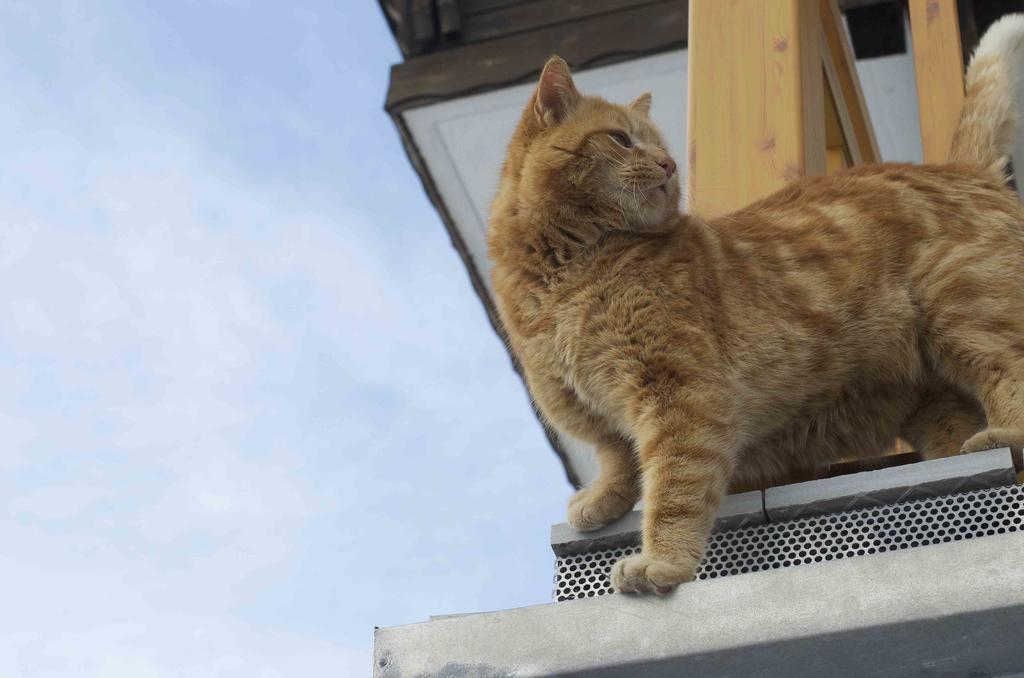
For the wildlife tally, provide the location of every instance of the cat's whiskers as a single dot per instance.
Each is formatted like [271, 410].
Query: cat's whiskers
[618, 204]
[646, 199]
[634, 186]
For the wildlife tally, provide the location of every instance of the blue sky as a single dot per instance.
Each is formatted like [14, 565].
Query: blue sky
[249, 404]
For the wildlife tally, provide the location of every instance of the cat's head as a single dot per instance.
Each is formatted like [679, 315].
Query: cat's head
[598, 158]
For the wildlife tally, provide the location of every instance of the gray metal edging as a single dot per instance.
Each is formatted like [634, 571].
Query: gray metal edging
[962, 473]
[925, 479]
[737, 510]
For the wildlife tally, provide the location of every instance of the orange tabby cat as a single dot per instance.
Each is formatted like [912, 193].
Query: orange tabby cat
[822, 321]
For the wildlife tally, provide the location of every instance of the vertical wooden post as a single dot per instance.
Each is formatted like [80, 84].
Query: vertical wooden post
[938, 63]
[838, 154]
[847, 99]
[756, 100]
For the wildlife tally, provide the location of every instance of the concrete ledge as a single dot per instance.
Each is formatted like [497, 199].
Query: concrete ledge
[890, 486]
[950, 609]
[737, 510]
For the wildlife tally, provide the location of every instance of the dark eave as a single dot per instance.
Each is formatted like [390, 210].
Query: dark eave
[425, 26]
[598, 39]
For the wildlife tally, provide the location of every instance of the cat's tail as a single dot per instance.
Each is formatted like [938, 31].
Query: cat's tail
[987, 131]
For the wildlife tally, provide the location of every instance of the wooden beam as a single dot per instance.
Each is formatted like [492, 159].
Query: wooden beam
[756, 100]
[938, 63]
[847, 96]
[838, 154]
[651, 28]
[448, 17]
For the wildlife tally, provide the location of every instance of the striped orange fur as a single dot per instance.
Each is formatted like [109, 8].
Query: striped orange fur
[821, 322]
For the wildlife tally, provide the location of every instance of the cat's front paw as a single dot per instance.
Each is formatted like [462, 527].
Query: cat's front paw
[992, 438]
[644, 574]
[595, 507]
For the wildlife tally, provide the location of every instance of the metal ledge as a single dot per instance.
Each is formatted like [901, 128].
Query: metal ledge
[850, 534]
[992, 468]
[949, 609]
[737, 510]
[925, 479]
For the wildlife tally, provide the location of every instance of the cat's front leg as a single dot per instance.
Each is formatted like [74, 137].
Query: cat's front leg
[686, 458]
[617, 486]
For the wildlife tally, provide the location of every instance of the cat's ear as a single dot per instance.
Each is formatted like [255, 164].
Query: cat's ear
[642, 104]
[556, 94]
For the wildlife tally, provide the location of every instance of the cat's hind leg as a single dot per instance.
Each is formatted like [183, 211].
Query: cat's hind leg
[943, 420]
[997, 377]
[975, 336]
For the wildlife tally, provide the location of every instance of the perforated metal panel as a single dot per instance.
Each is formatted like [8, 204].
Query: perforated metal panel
[830, 537]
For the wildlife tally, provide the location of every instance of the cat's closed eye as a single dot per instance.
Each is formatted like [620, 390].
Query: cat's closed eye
[622, 139]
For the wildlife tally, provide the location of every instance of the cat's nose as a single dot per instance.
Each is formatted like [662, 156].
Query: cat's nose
[669, 165]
